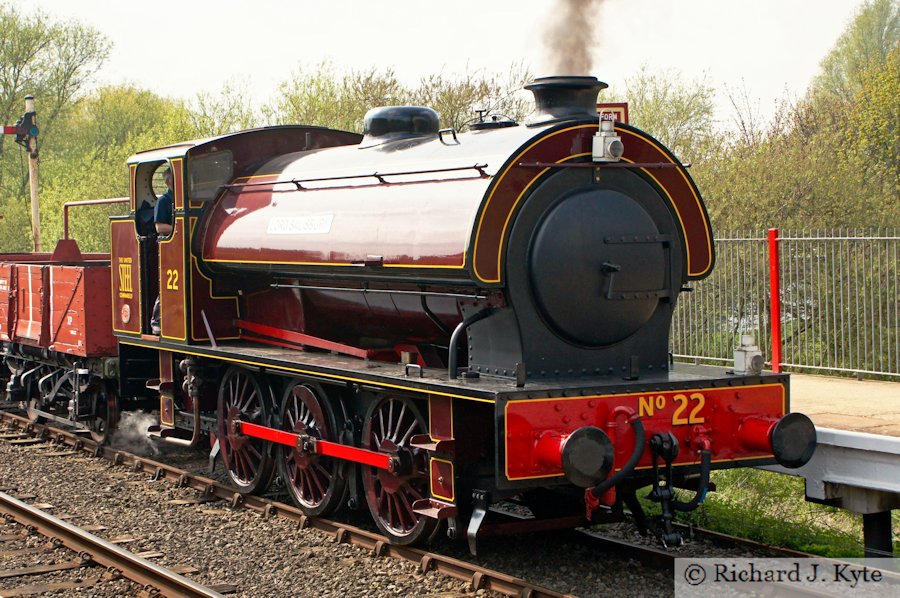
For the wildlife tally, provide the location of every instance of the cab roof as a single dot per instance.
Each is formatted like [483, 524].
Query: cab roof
[181, 149]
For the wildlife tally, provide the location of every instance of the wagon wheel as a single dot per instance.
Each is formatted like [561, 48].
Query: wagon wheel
[316, 484]
[34, 402]
[248, 460]
[390, 424]
[5, 375]
[32, 408]
[105, 403]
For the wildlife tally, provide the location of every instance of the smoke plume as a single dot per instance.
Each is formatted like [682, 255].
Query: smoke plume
[131, 433]
[571, 37]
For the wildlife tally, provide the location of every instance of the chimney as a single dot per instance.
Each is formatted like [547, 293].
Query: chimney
[560, 98]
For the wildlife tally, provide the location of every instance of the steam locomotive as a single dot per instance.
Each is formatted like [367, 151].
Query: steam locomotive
[421, 320]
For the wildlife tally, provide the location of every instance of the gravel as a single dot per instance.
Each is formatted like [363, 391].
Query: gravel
[261, 557]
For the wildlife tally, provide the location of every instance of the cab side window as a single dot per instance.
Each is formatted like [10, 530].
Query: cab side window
[163, 188]
[150, 186]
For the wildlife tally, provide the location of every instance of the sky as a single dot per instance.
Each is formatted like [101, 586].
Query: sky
[769, 48]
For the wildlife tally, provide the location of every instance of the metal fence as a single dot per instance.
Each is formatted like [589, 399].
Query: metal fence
[839, 301]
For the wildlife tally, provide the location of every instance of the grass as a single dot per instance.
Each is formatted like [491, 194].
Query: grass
[770, 508]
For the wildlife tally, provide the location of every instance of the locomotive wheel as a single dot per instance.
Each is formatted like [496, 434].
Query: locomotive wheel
[248, 460]
[389, 425]
[105, 400]
[316, 484]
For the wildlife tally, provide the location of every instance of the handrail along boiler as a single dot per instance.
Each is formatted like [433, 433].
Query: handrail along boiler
[430, 322]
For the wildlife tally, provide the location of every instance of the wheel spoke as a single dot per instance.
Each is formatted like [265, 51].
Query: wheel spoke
[317, 482]
[291, 420]
[390, 418]
[232, 387]
[322, 471]
[252, 449]
[408, 433]
[246, 405]
[400, 423]
[405, 504]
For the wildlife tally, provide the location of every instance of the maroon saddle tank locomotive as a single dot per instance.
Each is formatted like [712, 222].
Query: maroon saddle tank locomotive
[431, 322]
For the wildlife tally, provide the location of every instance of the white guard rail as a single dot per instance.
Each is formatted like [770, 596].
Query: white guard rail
[858, 472]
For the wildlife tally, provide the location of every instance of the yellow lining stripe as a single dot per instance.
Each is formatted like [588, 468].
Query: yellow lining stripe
[195, 263]
[499, 179]
[186, 351]
[681, 171]
[171, 239]
[337, 264]
[112, 274]
[686, 464]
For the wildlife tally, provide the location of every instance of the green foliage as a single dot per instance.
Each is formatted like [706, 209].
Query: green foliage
[456, 98]
[680, 114]
[798, 174]
[322, 96]
[230, 111]
[831, 159]
[102, 131]
[770, 508]
[864, 45]
[52, 62]
[876, 120]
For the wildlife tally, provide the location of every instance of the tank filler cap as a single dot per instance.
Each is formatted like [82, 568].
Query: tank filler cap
[391, 123]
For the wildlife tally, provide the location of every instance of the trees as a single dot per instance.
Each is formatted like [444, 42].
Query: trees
[101, 131]
[51, 61]
[325, 97]
[830, 159]
[678, 113]
[228, 111]
[877, 117]
[322, 96]
[456, 97]
[863, 46]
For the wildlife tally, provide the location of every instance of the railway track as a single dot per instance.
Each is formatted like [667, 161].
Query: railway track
[91, 551]
[478, 577]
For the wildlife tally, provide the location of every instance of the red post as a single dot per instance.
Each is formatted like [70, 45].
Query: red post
[775, 298]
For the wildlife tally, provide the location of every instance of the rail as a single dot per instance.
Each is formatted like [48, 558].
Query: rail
[837, 293]
[87, 202]
[104, 553]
